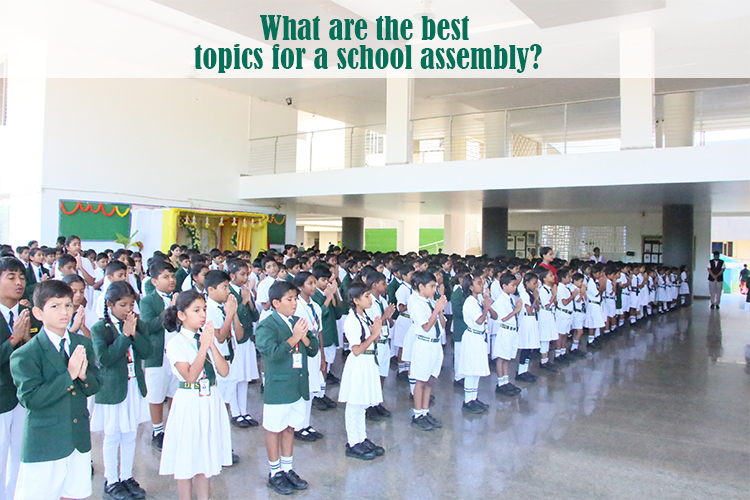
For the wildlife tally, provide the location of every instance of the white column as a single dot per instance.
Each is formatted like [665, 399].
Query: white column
[495, 135]
[702, 235]
[679, 119]
[290, 229]
[407, 234]
[454, 231]
[637, 89]
[399, 101]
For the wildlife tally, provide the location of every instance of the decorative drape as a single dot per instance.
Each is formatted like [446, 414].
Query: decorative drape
[224, 230]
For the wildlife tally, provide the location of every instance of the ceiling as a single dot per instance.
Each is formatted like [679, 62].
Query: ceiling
[725, 197]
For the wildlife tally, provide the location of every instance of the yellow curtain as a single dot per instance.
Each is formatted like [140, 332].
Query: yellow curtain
[253, 237]
[250, 237]
[169, 229]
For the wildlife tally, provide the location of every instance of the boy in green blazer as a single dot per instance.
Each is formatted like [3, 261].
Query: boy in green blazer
[183, 272]
[54, 373]
[35, 271]
[17, 326]
[160, 381]
[285, 343]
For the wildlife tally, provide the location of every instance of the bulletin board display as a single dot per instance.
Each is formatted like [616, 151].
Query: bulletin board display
[93, 220]
[522, 244]
[652, 250]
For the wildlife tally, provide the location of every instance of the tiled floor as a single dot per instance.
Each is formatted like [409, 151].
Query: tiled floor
[662, 412]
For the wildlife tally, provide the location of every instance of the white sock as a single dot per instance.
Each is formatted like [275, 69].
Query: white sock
[158, 428]
[574, 346]
[597, 332]
[401, 367]
[591, 338]
[286, 464]
[523, 368]
[412, 384]
[544, 361]
[275, 467]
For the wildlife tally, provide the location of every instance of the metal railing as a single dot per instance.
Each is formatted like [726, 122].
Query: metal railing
[720, 115]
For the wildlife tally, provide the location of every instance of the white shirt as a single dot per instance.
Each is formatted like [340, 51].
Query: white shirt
[263, 289]
[403, 294]
[37, 270]
[100, 302]
[376, 311]
[472, 311]
[312, 312]
[216, 317]
[564, 293]
[420, 312]
[495, 290]
[56, 339]
[503, 306]
[6, 314]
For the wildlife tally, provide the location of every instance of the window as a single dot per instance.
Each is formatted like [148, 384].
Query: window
[374, 143]
[580, 241]
[474, 149]
[431, 151]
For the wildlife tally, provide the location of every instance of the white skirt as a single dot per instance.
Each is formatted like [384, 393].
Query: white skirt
[314, 375]
[684, 288]
[197, 438]
[473, 359]
[360, 381]
[594, 317]
[547, 326]
[123, 417]
[245, 363]
[644, 297]
[528, 332]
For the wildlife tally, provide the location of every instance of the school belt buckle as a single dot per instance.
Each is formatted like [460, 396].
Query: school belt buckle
[596, 302]
[511, 328]
[370, 352]
[194, 385]
[565, 311]
[428, 339]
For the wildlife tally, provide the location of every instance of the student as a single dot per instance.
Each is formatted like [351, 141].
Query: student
[382, 309]
[326, 296]
[217, 260]
[65, 265]
[546, 316]
[197, 275]
[54, 373]
[477, 311]
[17, 326]
[84, 267]
[458, 323]
[22, 254]
[360, 384]
[578, 290]
[115, 271]
[564, 315]
[160, 380]
[80, 324]
[197, 439]
[427, 353]
[594, 320]
[245, 364]
[684, 285]
[528, 327]
[50, 256]
[120, 347]
[609, 303]
[293, 268]
[403, 322]
[35, 271]
[183, 270]
[310, 311]
[263, 303]
[285, 344]
[221, 311]
[623, 286]
[504, 350]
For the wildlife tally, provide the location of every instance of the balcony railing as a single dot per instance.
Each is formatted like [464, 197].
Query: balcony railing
[721, 115]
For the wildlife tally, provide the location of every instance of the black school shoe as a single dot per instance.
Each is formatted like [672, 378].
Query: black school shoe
[280, 483]
[526, 377]
[421, 422]
[157, 440]
[472, 407]
[251, 422]
[319, 404]
[548, 367]
[297, 482]
[507, 390]
[314, 433]
[305, 435]
[379, 451]
[238, 421]
[594, 346]
[437, 424]
[459, 383]
[577, 353]
[134, 488]
[330, 402]
[383, 411]
[482, 404]
[332, 379]
[360, 451]
[115, 491]
[372, 414]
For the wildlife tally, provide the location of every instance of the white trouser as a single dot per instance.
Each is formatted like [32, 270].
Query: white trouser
[714, 288]
[11, 437]
[306, 422]
[456, 359]
[126, 443]
[354, 416]
[242, 386]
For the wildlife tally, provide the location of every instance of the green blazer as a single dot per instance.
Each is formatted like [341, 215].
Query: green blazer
[32, 280]
[8, 398]
[458, 324]
[447, 284]
[152, 324]
[111, 350]
[391, 292]
[284, 384]
[57, 421]
[148, 287]
[328, 320]
[180, 276]
[248, 315]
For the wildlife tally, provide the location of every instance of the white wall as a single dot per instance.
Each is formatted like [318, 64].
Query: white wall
[730, 228]
[161, 142]
[637, 224]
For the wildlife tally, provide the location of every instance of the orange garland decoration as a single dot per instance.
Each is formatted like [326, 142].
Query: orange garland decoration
[89, 208]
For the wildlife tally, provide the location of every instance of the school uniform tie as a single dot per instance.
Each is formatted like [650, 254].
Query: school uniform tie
[437, 321]
[65, 356]
[10, 320]
[318, 326]
[230, 357]
[208, 368]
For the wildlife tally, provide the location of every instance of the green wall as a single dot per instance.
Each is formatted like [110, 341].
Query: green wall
[385, 240]
[93, 226]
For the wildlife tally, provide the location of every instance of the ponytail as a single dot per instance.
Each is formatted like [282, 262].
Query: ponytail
[184, 300]
[171, 321]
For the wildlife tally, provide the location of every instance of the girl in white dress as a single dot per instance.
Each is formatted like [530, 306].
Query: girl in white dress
[595, 289]
[528, 327]
[473, 360]
[360, 381]
[546, 315]
[120, 347]
[684, 286]
[197, 439]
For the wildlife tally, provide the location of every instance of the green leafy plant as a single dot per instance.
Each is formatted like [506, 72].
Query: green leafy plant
[127, 241]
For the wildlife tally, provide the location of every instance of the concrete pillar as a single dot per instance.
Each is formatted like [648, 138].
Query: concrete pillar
[353, 233]
[677, 235]
[290, 229]
[702, 234]
[637, 89]
[495, 135]
[494, 231]
[355, 148]
[454, 233]
[679, 119]
[407, 234]
[300, 241]
[398, 106]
